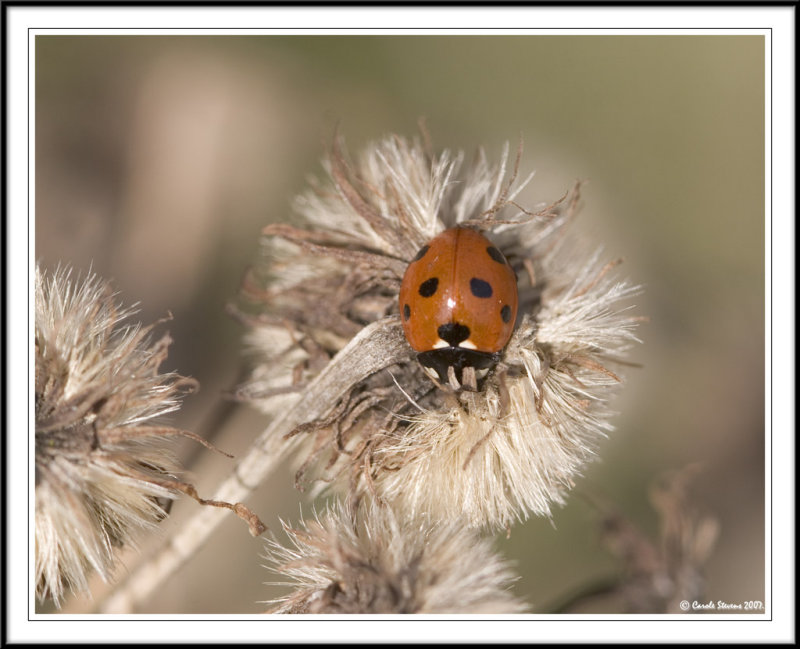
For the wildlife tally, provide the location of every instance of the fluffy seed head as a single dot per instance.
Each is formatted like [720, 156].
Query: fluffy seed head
[370, 562]
[101, 466]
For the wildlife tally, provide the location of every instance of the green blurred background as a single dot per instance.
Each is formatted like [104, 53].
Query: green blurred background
[159, 159]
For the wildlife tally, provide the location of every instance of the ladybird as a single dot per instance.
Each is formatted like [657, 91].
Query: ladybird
[458, 305]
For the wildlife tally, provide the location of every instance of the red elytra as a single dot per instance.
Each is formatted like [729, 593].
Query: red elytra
[458, 302]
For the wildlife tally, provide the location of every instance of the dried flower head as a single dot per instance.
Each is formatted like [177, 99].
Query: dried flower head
[662, 573]
[102, 467]
[488, 456]
[370, 562]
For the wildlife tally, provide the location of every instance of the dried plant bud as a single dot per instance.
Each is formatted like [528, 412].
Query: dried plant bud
[370, 562]
[661, 574]
[491, 455]
[103, 469]
[658, 574]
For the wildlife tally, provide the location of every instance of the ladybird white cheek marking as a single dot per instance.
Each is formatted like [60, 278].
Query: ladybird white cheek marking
[466, 344]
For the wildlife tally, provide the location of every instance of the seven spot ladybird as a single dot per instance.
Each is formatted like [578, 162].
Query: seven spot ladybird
[458, 304]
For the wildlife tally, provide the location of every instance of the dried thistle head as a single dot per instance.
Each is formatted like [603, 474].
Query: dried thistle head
[659, 574]
[370, 562]
[102, 467]
[489, 456]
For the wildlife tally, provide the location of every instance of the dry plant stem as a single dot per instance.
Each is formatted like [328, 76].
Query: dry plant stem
[378, 346]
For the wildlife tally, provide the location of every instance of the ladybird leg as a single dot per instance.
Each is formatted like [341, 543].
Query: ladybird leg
[451, 400]
[451, 378]
[433, 375]
[468, 379]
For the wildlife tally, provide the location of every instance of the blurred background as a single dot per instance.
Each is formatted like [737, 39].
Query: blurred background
[159, 160]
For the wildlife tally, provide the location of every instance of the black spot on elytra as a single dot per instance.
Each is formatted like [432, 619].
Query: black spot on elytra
[505, 313]
[453, 333]
[406, 312]
[495, 254]
[420, 254]
[429, 286]
[480, 287]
